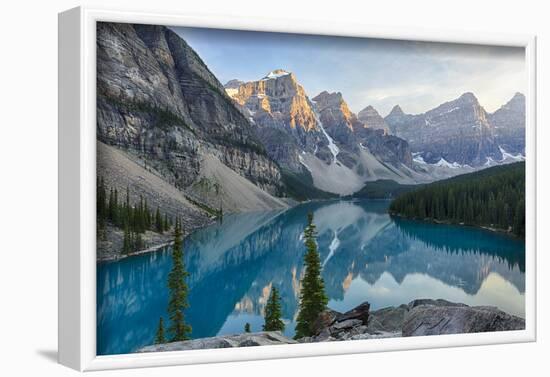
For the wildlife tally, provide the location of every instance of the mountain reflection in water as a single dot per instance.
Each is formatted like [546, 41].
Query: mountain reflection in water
[366, 256]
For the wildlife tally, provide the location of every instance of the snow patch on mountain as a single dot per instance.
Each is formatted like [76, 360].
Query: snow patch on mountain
[451, 110]
[331, 145]
[447, 164]
[509, 156]
[276, 74]
[417, 157]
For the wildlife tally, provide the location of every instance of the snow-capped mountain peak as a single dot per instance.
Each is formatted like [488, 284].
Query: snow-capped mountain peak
[275, 74]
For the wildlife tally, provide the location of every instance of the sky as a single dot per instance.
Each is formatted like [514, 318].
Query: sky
[416, 75]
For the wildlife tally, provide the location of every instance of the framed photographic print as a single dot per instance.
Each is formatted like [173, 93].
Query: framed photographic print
[235, 189]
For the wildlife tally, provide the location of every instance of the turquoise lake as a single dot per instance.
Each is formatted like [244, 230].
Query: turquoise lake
[366, 256]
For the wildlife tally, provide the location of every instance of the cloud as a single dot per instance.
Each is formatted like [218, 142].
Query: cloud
[416, 75]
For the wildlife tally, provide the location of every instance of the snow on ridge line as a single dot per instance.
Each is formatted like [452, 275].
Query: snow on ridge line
[419, 159]
[505, 155]
[273, 75]
[444, 163]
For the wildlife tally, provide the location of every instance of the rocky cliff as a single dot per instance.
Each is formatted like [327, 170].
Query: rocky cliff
[509, 123]
[420, 317]
[371, 119]
[320, 137]
[285, 120]
[159, 102]
[461, 132]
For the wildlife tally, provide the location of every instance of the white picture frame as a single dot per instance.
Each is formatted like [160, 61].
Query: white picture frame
[77, 177]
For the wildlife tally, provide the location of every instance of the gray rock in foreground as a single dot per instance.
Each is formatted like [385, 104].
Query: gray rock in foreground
[241, 340]
[418, 318]
[438, 320]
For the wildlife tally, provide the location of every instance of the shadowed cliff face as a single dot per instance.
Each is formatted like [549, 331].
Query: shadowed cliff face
[158, 100]
[461, 131]
[509, 122]
[371, 119]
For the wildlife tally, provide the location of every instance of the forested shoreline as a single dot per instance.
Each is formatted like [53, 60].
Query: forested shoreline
[492, 198]
[134, 219]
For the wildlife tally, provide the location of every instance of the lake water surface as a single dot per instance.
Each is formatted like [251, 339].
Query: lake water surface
[366, 256]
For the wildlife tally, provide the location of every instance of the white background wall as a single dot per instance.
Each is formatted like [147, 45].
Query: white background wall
[28, 167]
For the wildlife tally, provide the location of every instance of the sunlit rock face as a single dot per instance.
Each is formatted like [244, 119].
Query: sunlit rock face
[337, 119]
[279, 95]
[335, 110]
[285, 119]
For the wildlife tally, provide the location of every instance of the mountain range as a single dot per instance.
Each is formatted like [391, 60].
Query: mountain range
[341, 151]
[248, 146]
[461, 132]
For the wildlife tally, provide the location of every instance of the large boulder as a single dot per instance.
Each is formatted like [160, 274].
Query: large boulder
[266, 338]
[458, 319]
[360, 312]
[388, 319]
[436, 302]
[325, 320]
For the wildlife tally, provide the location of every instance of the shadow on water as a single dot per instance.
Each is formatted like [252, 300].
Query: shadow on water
[366, 255]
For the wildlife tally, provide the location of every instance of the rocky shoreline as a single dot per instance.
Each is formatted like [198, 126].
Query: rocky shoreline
[115, 257]
[422, 317]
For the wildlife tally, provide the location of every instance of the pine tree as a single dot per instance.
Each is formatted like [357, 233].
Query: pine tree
[116, 211]
[313, 299]
[101, 195]
[247, 327]
[139, 244]
[111, 209]
[147, 215]
[159, 226]
[178, 292]
[165, 222]
[126, 245]
[273, 320]
[159, 337]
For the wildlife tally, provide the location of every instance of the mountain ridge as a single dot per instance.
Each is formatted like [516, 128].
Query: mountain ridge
[158, 101]
[458, 131]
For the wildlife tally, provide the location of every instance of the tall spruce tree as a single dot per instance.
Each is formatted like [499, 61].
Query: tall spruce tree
[165, 222]
[160, 337]
[127, 242]
[158, 222]
[273, 320]
[313, 299]
[101, 195]
[177, 303]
